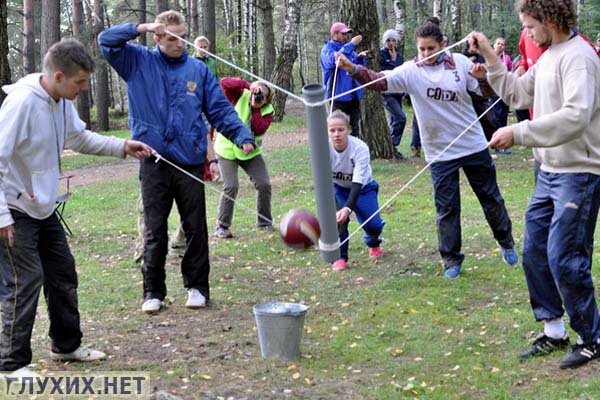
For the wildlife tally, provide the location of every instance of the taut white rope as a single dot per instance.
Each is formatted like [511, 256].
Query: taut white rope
[161, 158]
[411, 180]
[271, 84]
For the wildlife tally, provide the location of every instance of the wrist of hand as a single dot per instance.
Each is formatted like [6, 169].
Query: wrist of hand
[348, 209]
[214, 161]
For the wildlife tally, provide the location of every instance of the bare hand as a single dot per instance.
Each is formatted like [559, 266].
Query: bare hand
[8, 233]
[342, 215]
[137, 149]
[393, 53]
[503, 138]
[363, 54]
[479, 43]
[247, 148]
[158, 28]
[520, 70]
[356, 40]
[478, 72]
[215, 172]
[344, 63]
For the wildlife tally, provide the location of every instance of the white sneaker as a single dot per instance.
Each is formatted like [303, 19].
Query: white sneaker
[22, 372]
[195, 299]
[152, 306]
[82, 354]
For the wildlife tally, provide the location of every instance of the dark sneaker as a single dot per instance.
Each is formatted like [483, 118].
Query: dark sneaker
[544, 345]
[580, 354]
[452, 272]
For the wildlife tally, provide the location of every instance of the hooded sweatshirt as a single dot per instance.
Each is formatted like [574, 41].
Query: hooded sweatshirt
[34, 130]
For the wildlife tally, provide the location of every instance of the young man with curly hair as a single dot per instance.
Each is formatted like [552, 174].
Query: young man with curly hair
[561, 217]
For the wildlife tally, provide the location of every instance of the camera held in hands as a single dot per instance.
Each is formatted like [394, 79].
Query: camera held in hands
[259, 97]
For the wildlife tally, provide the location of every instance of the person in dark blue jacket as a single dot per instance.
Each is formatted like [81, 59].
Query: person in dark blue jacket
[389, 58]
[168, 91]
[339, 43]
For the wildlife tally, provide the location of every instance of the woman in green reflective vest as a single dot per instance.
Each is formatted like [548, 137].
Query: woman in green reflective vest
[252, 102]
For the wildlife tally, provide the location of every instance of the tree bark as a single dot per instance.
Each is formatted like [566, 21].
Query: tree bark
[268, 33]
[437, 9]
[102, 89]
[194, 16]
[455, 12]
[28, 37]
[50, 24]
[83, 100]
[282, 74]
[5, 77]
[162, 5]
[400, 14]
[374, 129]
[210, 27]
[142, 39]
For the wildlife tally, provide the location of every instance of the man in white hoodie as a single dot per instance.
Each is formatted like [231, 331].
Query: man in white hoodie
[37, 121]
[563, 87]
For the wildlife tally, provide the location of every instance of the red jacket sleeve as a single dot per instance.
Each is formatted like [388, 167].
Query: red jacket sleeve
[233, 88]
[260, 123]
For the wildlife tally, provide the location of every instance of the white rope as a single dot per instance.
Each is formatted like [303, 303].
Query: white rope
[161, 158]
[268, 83]
[411, 180]
[335, 72]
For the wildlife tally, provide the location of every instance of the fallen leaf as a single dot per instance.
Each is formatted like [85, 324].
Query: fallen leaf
[296, 375]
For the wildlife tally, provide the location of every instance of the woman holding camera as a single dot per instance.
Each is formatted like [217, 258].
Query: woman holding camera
[252, 101]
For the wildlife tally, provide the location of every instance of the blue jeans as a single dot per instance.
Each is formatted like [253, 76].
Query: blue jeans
[481, 173]
[558, 248]
[500, 111]
[366, 205]
[397, 119]
[416, 136]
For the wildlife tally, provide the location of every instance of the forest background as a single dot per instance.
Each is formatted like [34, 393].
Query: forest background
[279, 41]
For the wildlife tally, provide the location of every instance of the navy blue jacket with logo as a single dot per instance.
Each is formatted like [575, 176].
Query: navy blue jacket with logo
[167, 97]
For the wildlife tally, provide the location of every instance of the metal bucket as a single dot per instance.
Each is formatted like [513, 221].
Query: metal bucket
[279, 328]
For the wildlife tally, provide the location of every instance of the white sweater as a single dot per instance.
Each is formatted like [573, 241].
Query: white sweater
[564, 89]
[34, 130]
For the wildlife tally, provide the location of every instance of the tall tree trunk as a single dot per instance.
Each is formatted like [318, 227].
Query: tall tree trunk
[456, 17]
[5, 77]
[28, 37]
[282, 74]
[102, 94]
[384, 12]
[268, 33]
[195, 17]
[400, 14]
[437, 9]
[83, 100]
[210, 27]
[374, 129]
[50, 24]
[162, 5]
[142, 20]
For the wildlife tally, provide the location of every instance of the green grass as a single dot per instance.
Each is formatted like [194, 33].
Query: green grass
[386, 330]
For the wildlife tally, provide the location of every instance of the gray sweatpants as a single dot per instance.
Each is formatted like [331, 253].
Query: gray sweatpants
[256, 168]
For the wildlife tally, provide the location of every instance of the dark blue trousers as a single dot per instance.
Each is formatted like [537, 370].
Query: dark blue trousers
[365, 206]
[416, 135]
[397, 119]
[481, 173]
[558, 247]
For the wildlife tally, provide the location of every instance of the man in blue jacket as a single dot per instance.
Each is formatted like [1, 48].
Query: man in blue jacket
[339, 43]
[168, 92]
[389, 58]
